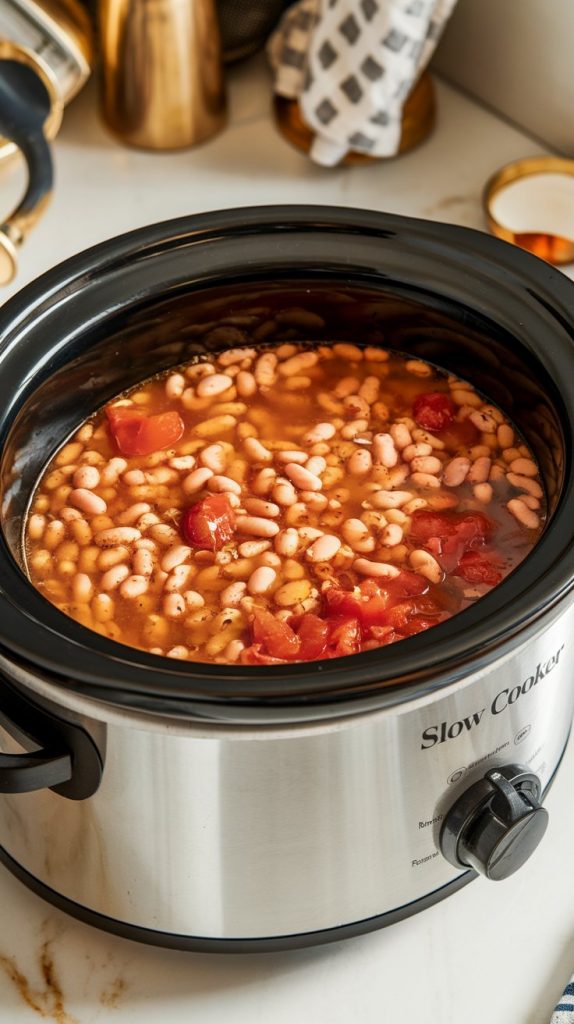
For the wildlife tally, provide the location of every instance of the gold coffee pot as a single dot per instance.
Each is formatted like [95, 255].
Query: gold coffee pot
[162, 80]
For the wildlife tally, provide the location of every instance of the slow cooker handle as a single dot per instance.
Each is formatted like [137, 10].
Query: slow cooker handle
[22, 773]
[57, 754]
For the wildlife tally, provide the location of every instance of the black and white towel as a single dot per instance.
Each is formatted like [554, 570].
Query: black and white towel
[351, 64]
[564, 1012]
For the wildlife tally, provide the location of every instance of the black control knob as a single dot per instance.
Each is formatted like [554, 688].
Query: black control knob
[496, 824]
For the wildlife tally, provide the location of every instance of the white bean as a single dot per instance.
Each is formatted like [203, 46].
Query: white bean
[360, 462]
[232, 595]
[479, 470]
[390, 499]
[320, 432]
[134, 477]
[114, 576]
[484, 422]
[505, 435]
[456, 471]
[256, 526]
[316, 465]
[525, 483]
[265, 370]
[424, 563]
[196, 480]
[525, 467]
[143, 562]
[301, 477]
[323, 549]
[424, 480]
[246, 384]
[177, 579]
[401, 435]
[365, 567]
[214, 458]
[236, 355]
[259, 507]
[284, 493]
[134, 512]
[369, 389]
[175, 556]
[116, 535]
[174, 605]
[223, 485]
[82, 587]
[523, 514]
[112, 471]
[134, 586]
[298, 363]
[256, 451]
[213, 385]
[391, 535]
[426, 464]
[252, 548]
[36, 526]
[483, 493]
[287, 542]
[193, 600]
[261, 580]
[384, 450]
[86, 477]
[87, 502]
[292, 456]
[174, 386]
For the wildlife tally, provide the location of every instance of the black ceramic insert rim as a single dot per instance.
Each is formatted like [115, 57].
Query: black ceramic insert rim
[36, 635]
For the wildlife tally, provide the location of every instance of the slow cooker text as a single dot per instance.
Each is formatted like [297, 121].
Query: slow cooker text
[504, 699]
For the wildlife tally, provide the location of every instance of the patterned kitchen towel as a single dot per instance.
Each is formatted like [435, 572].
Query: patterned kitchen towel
[351, 64]
[564, 1012]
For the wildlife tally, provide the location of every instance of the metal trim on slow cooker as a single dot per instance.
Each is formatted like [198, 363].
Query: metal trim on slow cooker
[34, 632]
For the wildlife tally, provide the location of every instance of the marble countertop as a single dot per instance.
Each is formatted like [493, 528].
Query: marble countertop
[495, 953]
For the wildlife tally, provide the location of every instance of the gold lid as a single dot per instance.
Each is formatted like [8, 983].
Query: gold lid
[549, 245]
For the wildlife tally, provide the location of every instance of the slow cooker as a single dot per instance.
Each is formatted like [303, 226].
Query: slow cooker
[237, 808]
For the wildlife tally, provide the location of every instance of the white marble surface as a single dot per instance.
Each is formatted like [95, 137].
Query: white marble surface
[495, 953]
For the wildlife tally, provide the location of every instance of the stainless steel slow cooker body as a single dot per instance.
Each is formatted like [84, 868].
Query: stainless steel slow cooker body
[241, 808]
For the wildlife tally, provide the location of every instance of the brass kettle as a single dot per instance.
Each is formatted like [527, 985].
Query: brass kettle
[46, 55]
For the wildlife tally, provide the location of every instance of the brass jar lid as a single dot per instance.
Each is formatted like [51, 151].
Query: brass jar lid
[537, 214]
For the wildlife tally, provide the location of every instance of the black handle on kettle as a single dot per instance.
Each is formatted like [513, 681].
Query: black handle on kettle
[22, 773]
[68, 760]
[25, 104]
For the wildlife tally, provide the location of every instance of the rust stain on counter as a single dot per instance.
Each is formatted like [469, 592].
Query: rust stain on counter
[47, 1002]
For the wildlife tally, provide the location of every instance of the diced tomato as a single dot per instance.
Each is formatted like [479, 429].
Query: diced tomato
[344, 637]
[408, 584]
[340, 602]
[425, 525]
[456, 532]
[137, 434]
[375, 611]
[313, 634]
[433, 410]
[460, 434]
[253, 655]
[399, 615]
[417, 624]
[208, 524]
[478, 567]
[276, 637]
[473, 529]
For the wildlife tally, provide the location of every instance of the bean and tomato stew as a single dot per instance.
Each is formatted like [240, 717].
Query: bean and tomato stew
[275, 505]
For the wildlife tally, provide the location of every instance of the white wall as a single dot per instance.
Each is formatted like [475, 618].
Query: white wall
[518, 57]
